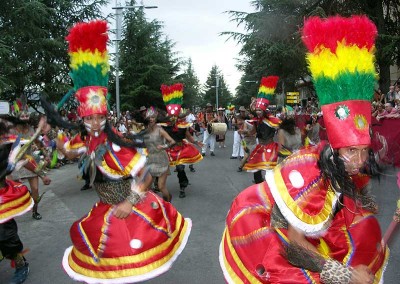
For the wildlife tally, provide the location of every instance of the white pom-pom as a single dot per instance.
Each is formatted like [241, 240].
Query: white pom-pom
[136, 243]
[296, 179]
[116, 147]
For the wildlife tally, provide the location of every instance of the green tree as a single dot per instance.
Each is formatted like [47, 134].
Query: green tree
[210, 92]
[33, 54]
[191, 93]
[272, 43]
[146, 61]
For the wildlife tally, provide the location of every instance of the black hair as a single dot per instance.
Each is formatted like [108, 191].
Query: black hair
[54, 119]
[289, 125]
[4, 149]
[4, 152]
[333, 170]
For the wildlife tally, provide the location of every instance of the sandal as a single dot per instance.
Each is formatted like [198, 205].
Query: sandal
[36, 216]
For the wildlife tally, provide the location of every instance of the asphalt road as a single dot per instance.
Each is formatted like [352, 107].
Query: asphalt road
[209, 195]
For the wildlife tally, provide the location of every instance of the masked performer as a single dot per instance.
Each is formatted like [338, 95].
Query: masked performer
[265, 155]
[312, 221]
[15, 199]
[182, 152]
[32, 172]
[130, 234]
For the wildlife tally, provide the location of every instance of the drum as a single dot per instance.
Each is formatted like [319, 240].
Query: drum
[217, 128]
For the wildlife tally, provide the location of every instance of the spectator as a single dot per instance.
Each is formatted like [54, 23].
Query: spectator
[379, 111]
[397, 92]
[397, 106]
[122, 127]
[390, 96]
[390, 112]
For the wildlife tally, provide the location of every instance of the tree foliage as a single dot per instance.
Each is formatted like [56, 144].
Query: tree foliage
[272, 43]
[191, 93]
[210, 92]
[147, 60]
[33, 50]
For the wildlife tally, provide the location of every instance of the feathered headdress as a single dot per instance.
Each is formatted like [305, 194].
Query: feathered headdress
[173, 98]
[266, 91]
[151, 111]
[19, 108]
[89, 66]
[341, 60]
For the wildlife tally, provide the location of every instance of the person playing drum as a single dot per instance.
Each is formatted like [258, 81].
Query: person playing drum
[208, 137]
[222, 119]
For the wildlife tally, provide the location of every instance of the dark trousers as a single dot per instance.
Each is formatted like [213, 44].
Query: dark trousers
[183, 180]
[86, 177]
[258, 177]
[10, 244]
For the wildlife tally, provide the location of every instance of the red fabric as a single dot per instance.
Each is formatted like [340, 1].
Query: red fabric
[100, 234]
[263, 157]
[92, 100]
[351, 129]
[250, 235]
[174, 109]
[262, 103]
[12, 192]
[390, 129]
[183, 153]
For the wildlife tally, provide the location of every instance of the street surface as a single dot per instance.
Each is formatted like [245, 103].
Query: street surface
[209, 195]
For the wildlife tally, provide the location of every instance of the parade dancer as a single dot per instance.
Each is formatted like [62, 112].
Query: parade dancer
[183, 152]
[131, 234]
[15, 198]
[289, 138]
[34, 169]
[157, 159]
[313, 221]
[265, 155]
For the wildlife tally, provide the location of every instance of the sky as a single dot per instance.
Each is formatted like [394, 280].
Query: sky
[194, 26]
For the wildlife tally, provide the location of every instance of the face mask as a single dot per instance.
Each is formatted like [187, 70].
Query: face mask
[88, 127]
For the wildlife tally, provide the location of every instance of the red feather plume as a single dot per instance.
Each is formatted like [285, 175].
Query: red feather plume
[357, 30]
[269, 82]
[88, 36]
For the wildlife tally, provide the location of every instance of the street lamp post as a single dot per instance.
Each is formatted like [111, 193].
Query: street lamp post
[216, 91]
[118, 21]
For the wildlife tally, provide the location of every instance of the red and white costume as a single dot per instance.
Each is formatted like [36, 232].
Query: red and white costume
[251, 248]
[111, 250]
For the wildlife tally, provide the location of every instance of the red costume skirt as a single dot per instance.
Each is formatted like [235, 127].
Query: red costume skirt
[183, 153]
[142, 246]
[15, 200]
[251, 249]
[263, 157]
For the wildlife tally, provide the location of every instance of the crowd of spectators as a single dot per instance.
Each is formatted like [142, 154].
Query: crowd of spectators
[387, 105]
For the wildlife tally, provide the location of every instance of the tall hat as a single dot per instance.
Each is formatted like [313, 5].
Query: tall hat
[173, 98]
[266, 91]
[89, 66]
[341, 60]
[19, 108]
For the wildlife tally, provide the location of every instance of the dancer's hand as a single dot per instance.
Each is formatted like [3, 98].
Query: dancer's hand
[361, 274]
[200, 144]
[123, 209]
